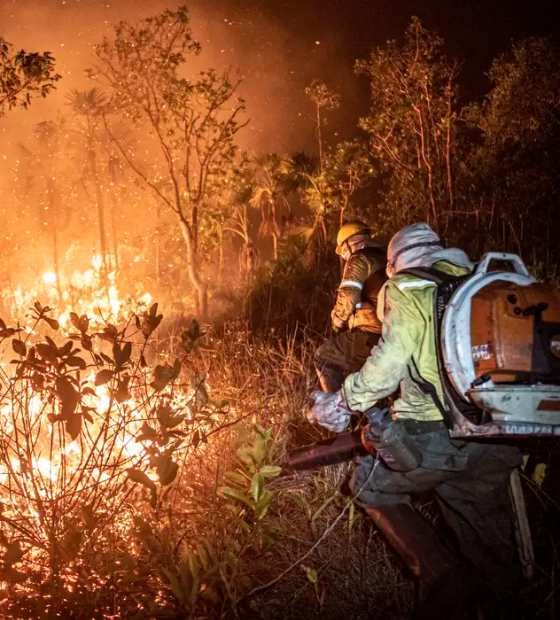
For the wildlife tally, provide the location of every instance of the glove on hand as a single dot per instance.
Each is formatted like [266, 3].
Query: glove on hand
[337, 322]
[330, 411]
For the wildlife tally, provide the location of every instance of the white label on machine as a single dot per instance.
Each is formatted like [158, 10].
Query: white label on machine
[481, 352]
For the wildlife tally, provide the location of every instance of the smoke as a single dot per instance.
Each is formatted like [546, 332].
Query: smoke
[276, 53]
[278, 46]
[273, 56]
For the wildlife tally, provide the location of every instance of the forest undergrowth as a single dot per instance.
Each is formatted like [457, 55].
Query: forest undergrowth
[166, 499]
[179, 503]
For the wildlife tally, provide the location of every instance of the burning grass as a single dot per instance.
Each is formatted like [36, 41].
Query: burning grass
[150, 490]
[88, 431]
[142, 481]
[89, 291]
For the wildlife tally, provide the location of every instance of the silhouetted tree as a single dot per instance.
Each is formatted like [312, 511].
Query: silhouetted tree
[515, 167]
[268, 195]
[191, 122]
[323, 98]
[90, 106]
[24, 76]
[47, 177]
[412, 125]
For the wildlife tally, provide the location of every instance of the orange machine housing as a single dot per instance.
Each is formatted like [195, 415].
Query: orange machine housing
[515, 333]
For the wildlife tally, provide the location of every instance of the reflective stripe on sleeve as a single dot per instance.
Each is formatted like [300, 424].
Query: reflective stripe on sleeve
[352, 283]
[415, 284]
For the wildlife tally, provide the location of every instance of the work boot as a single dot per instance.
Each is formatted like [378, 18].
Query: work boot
[444, 586]
[331, 378]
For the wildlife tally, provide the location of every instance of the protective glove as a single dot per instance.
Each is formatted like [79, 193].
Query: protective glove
[337, 323]
[330, 411]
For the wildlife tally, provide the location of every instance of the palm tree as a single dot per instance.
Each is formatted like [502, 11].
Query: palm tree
[239, 225]
[91, 105]
[268, 195]
[302, 174]
[46, 173]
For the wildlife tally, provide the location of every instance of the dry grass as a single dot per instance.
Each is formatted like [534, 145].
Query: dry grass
[349, 574]
[356, 575]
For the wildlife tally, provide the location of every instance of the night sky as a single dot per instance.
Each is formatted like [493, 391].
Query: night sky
[279, 46]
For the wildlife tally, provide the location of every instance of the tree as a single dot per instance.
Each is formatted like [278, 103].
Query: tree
[328, 192]
[269, 173]
[346, 169]
[304, 177]
[412, 125]
[515, 168]
[327, 182]
[24, 76]
[90, 107]
[47, 173]
[323, 99]
[192, 122]
[304, 173]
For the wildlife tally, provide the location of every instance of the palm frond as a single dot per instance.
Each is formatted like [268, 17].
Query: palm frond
[92, 102]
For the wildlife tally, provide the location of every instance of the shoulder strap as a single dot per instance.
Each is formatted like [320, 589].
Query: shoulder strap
[429, 389]
[446, 284]
[428, 273]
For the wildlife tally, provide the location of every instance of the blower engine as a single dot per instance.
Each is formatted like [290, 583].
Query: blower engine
[499, 348]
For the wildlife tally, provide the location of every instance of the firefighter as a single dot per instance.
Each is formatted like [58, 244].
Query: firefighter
[354, 318]
[470, 479]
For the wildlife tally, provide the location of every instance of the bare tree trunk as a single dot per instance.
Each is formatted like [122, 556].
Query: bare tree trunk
[319, 138]
[425, 158]
[102, 234]
[54, 224]
[221, 257]
[158, 245]
[100, 216]
[276, 231]
[448, 156]
[56, 263]
[275, 245]
[114, 231]
[200, 289]
[92, 160]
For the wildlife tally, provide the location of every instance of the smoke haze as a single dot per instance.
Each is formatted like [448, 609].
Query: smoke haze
[275, 62]
[277, 46]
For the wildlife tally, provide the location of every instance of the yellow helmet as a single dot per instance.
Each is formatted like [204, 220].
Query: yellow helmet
[349, 230]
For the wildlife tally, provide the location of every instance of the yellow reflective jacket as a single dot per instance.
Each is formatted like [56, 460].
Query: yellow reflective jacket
[407, 349]
[362, 280]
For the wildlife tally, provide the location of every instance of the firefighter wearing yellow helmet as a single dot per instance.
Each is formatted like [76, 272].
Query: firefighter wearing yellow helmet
[354, 317]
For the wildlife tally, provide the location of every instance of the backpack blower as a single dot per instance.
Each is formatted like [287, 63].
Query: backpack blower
[498, 343]
[498, 338]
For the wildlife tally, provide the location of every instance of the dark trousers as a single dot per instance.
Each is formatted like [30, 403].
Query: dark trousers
[341, 355]
[471, 482]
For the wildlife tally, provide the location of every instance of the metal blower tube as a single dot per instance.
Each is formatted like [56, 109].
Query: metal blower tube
[338, 449]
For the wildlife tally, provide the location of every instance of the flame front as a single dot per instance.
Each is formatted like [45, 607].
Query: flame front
[80, 424]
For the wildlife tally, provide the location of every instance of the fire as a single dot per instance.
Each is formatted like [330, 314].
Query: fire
[49, 277]
[83, 418]
[86, 292]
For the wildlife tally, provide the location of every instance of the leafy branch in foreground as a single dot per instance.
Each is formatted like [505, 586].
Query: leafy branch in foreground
[85, 426]
[249, 481]
[24, 76]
